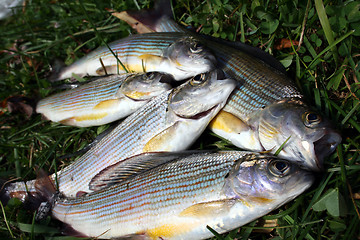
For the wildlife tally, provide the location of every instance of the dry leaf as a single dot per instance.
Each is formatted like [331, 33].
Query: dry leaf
[285, 43]
[135, 24]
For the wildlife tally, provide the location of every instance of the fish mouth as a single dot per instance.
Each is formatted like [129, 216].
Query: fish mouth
[199, 115]
[324, 146]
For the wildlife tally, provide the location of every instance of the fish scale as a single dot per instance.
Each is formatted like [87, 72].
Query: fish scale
[137, 47]
[255, 89]
[262, 84]
[132, 203]
[83, 96]
[182, 194]
[164, 124]
[103, 100]
[115, 144]
[261, 87]
[112, 148]
[258, 84]
[137, 53]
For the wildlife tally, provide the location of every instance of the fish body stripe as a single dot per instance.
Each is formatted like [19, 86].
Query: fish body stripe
[139, 45]
[142, 199]
[258, 84]
[83, 96]
[116, 146]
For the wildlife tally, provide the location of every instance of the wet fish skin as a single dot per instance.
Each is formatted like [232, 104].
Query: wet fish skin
[103, 100]
[160, 19]
[168, 54]
[260, 85]
[180, 197]
[282, 124]
[156, 126]
[309, 137]
[146, 86]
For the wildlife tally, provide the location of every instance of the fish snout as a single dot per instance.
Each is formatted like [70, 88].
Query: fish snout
[326, 145]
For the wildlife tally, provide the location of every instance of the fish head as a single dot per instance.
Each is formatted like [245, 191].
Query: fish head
[304, 135]
[145, 86]
[189, 109]
[263, 179]
[190, 56]
[202, 95]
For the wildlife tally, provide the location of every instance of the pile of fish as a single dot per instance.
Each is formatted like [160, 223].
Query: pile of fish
[140, 180]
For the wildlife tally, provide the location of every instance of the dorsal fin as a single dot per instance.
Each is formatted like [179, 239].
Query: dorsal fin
[133, 166]
[46, 194]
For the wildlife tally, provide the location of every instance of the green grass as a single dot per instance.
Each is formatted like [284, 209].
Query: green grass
[325, 67]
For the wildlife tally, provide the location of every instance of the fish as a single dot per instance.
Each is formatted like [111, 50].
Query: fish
[9, 8]
[160, 19]
[304, 135]
[168, 122]
[103, 100]
[182, 57]
[177, 195]
[261, 87]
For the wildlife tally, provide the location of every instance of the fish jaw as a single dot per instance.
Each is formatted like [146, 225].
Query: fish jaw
[146, 86]
[199, 96]
[190, 57]
[315, 152]
[185, 128]
[326, 145]
[282, 127]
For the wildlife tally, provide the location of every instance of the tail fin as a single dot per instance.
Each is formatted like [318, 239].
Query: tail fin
[4, 194]
[45, 196]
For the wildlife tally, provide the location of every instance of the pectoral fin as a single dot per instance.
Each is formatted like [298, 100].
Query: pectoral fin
[150, 58]
[85, 117]
[232, 128]
[132, 166]
[100, 111]
[137, 95]
[107, 104]
[160, 142]
[209, 209]
[227, 122]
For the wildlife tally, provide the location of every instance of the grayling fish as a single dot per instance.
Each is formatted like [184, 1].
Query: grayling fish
[182, 57]
[104, 100]
[177, 195]
[260, 85]
[171, 121]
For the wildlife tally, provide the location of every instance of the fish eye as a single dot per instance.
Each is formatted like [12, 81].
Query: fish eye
[196, 48]
[279, 168]
[198, 79]
[311, 119]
